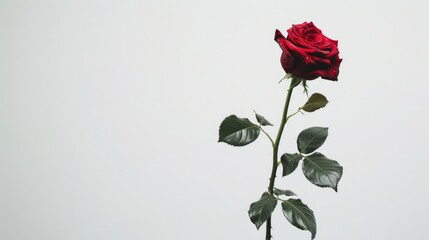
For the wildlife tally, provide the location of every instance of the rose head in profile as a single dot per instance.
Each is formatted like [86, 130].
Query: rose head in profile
[308, 54]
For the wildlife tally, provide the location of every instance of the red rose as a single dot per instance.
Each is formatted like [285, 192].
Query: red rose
[308, 54]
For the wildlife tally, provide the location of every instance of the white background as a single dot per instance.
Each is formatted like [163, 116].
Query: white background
[109, 115]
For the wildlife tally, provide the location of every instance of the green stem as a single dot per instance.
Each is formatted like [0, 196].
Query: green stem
[271, 140]
[293, 114]
[276, 151]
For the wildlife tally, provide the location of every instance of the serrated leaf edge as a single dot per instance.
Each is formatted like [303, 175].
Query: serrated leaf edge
[312, 138]
[313, 235]
[312, 162]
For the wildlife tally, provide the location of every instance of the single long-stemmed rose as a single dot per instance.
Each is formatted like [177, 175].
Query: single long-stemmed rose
[306, 55]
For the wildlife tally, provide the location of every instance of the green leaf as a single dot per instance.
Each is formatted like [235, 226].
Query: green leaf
[311, 139]
[261, 210]
[299, 215]
[322, 171]
[280, 192]
[261, 119]
[316, 101]
[238, 131]
[290, 162]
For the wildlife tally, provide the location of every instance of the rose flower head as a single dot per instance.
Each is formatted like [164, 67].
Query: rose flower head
[308, 54]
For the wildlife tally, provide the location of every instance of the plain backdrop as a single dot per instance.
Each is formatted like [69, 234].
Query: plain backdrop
[109, 116]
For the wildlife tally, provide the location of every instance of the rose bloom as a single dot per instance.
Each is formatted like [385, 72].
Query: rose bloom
[308, 54]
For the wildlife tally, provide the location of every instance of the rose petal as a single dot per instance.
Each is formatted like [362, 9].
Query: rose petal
[280, 39]
[286, 59]
[278, 35]
[332, 72]
[296, 51]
